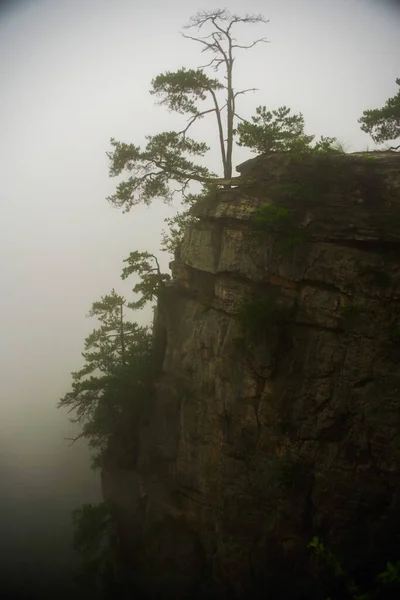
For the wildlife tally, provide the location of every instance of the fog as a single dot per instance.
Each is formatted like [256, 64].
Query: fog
[75, 73]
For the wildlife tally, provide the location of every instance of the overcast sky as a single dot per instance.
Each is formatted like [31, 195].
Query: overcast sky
[75, 73]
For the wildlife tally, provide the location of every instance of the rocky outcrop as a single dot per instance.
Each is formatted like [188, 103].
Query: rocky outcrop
[254, 443]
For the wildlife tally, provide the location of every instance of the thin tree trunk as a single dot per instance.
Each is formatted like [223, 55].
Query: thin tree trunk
[220, 131]
[230, 111]
[122, 336]
[229, 142]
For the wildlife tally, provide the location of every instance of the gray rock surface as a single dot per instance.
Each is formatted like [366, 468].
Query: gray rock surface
[249, 450]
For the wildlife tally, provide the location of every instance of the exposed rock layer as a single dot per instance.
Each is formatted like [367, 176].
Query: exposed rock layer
[251, 448]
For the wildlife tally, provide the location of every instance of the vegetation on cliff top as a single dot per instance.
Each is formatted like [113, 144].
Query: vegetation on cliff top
[171, 162]
[117, 374]
[116, 353]
[166, 159]
[383, 124]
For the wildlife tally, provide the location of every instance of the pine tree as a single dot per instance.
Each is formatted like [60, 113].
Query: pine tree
[383, 124]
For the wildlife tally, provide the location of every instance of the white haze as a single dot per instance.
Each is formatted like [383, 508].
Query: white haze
[74, 74]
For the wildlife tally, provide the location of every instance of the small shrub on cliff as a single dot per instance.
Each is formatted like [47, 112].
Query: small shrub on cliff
[279, 220]
[387, 582]
[271, 216]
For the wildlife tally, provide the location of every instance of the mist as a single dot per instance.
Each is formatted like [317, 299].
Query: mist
[74, 74]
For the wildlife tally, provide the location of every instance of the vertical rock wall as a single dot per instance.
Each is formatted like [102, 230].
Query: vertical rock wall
[254, 443]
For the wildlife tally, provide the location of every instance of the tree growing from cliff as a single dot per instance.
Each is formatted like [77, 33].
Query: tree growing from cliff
[116, 373]
[383, 124]
[166, 165]
[387, 583]
[147, 267]
[169, 164]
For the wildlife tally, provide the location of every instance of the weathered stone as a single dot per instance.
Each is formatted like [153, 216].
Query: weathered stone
[250, 448]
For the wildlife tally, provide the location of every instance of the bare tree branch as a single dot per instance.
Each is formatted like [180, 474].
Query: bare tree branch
[190, 37]
[73, 440]
[194, 118]
[247, 19]
[245, 92]
[182, 190]
[222, 43]
[217, 61]
[264, 40]
[223, 31]
[241, 118]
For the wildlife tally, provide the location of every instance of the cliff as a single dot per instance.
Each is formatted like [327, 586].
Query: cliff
[259, 438]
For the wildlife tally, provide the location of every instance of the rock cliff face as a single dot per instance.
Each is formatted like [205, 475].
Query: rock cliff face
[255, 442]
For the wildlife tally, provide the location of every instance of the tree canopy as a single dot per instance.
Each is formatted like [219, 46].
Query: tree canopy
[383, 124]
[147, 267]
[278, 131]
[168, 163]
[116, 374]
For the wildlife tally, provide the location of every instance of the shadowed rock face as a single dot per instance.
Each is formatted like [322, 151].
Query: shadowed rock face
[250, 449]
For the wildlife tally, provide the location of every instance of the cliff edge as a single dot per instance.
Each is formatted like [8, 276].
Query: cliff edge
[277, 409]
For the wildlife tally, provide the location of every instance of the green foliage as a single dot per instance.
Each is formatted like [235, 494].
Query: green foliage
[279, 131]
[383, 124]
[271, 216]
[169, 162]
[387, 580]
[256, 316]
[273, 219]
[329, 557]
[116, 376]
[391, 575]
[179, 91]
[163, 161]
[166, 160]
[152, 280]
[328, 144]
[273, 131]
[172, 239]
